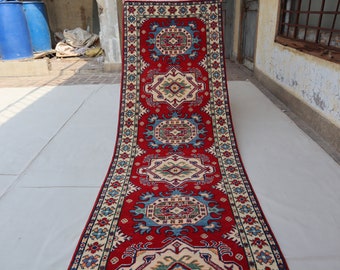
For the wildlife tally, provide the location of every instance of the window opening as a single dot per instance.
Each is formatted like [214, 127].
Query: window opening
[312, 26]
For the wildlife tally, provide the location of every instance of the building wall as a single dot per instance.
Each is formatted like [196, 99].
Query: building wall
[109, 33]
[237, 30]
[312, 80]
[70, 14]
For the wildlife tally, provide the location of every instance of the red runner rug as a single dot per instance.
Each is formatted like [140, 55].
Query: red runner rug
[176, 195]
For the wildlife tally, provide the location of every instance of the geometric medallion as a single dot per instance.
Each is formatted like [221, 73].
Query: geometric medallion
[178, 255]
[173, 41]
[176, 170]
[176, 212]
[174, 87]
[175, 131]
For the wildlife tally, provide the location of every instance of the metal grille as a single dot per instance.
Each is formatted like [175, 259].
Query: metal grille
[311, 21]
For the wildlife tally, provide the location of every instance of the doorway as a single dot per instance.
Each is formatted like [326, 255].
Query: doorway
[228, 8]
[249, 29]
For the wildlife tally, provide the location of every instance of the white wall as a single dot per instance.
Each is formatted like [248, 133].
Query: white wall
[311, 79]
[109, 30]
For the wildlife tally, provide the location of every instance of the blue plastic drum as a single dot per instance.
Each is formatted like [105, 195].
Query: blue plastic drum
[37, 21]
[15, 41]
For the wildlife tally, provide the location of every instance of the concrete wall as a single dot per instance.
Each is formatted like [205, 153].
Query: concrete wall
[237, 30]
[69, 14]
[109, 33]
[312, 80]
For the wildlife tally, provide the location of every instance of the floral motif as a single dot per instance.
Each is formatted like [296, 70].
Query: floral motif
[179, 255]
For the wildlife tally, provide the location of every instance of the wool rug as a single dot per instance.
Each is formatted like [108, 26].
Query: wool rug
[176, 195]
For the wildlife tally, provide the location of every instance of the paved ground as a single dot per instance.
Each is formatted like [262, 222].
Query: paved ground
[73, 71]
[57, 136]
[79, 71]
[90, 71]
[67, 71]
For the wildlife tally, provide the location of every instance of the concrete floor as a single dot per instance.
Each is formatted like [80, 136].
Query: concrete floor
[57, 140]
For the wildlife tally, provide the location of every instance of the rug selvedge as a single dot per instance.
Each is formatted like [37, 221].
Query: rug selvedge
[176, 195]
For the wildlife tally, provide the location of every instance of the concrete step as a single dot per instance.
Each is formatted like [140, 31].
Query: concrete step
[53, 66]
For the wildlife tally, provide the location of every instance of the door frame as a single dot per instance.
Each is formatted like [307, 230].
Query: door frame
[241, 58]
[228, 32]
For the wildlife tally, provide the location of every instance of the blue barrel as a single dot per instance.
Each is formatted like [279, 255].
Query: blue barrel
[15, 41]
[37, 21]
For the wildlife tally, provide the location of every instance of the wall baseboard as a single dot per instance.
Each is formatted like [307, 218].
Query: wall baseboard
[26, 67]
[319, 128]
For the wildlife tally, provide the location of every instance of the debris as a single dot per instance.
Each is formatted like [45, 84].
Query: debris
[40, 55]
[77, 42]
[79, 38]
[65, 50]
[93, 52]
